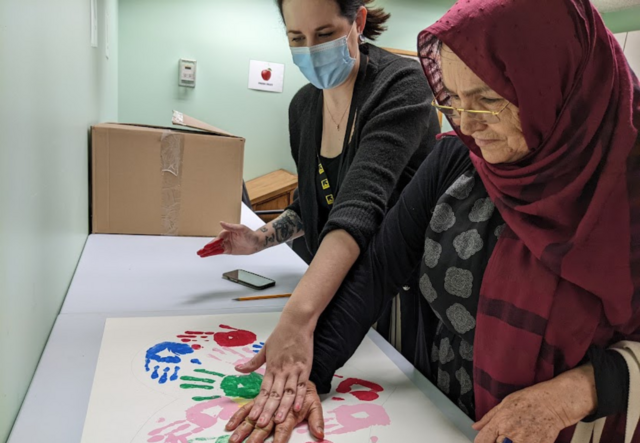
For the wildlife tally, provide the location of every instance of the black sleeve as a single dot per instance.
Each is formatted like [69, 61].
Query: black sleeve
[393, 132]
[385, 266]
[612, 382]
[294, 122]
[295, 207]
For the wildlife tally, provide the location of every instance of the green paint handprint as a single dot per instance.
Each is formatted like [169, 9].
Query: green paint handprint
[242, 386]
[223, 439]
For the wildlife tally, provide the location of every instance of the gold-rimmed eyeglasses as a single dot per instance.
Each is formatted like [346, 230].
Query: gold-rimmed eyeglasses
[488, 117]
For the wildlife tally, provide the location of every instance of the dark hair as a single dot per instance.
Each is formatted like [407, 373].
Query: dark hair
[376, 17]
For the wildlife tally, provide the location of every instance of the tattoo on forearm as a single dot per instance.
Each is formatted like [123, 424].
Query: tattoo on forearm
[284, 227]
[269, 240]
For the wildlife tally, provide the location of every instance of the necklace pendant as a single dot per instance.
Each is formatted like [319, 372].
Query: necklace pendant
[338, 127]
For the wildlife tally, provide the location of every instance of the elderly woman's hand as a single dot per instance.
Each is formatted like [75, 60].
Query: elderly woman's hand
[288, 353]
[538, 414]
[311, 411]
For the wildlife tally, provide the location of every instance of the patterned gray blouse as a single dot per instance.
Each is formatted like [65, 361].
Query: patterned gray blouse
[463, 232]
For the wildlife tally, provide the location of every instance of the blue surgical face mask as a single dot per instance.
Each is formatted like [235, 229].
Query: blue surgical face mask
[327, 65]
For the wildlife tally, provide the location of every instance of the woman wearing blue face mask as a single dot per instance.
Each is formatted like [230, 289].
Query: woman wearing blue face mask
[358, 133]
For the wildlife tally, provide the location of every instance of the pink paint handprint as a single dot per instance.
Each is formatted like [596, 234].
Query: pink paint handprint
[353, 418]
[348, 419]
[198, 418]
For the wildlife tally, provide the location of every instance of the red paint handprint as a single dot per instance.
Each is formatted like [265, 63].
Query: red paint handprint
[235, 338]
[231, 338]
[196, 336]
[370, 395]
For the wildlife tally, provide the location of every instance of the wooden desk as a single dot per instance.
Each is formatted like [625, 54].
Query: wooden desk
[272, 191]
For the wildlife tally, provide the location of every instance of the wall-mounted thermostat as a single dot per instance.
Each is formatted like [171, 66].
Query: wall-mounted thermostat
[187, 73]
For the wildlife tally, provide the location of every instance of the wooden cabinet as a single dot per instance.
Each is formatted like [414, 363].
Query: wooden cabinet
[272, 191]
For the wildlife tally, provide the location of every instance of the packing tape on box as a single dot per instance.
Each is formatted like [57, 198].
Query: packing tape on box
[172, 147]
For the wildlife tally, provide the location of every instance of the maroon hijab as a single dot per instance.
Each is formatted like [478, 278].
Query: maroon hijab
[566, 272]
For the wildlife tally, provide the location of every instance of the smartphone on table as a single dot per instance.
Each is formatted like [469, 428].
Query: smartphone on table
[249, 279]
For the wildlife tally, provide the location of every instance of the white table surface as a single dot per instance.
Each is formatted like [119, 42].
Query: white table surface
[122, 273]
[142, 276]
[56, 404]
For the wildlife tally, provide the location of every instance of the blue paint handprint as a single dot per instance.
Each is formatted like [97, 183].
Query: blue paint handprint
[168, 353]
[258, 347]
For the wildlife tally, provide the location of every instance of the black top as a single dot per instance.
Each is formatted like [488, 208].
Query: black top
[394, 130]
[444, 184]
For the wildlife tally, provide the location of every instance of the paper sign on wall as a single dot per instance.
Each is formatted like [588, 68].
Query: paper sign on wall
[265, 76]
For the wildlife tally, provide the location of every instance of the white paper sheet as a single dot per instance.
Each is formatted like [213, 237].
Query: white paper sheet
[171, 380]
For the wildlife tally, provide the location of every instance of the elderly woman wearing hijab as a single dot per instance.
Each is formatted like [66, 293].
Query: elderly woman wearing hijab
[526, 226]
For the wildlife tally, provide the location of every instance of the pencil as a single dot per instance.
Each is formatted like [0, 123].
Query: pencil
[262, 297]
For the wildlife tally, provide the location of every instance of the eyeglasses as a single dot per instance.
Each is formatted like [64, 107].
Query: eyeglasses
[488, 117]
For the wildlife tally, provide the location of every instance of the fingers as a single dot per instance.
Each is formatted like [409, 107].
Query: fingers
[242, 432]
[255, 363]
[216, 247]
[486, 419]
[259, 435]
[238, 417]
[275, 397]
[213, 242]
[316, 420]
[312, 413]
[232, 228]
[288, 397]
[489, 434]
[301, 390]
[285, 429]
[210, 253]
[263, 397]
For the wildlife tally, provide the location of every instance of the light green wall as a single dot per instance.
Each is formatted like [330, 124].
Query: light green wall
[53, 87]
[223, 36]
[623, 21]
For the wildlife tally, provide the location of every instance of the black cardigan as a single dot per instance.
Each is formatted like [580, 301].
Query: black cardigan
[395, 129]
[393, 253]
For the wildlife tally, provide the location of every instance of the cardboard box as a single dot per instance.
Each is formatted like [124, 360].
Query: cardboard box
[165, 181]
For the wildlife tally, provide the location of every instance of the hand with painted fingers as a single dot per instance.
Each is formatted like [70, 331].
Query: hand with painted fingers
[245, 428]
[241, 240]
[539, 413]
[288, 353]
[233, 240]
